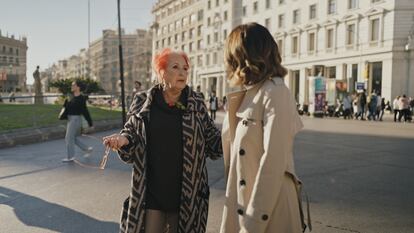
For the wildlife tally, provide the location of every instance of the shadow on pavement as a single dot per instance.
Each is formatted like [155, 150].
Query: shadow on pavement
[35, 212]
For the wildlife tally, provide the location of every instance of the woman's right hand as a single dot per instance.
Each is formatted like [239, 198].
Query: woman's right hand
[115, 141]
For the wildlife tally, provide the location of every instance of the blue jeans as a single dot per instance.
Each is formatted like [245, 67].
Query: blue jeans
[73, 130]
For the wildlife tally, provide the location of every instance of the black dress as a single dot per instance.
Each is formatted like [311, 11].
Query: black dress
[165, 155]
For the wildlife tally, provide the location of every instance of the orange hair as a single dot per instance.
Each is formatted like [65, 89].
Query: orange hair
[161, 59]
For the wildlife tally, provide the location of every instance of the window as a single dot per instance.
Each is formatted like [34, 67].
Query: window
[352, 4]
[374, 1]
[200, 15]
[199, 30]
[17, 51]
[329, 38]
[200, 60]
[215, 36]
[281, 22]
[267, 4]
[208, 39]
[350, 32]
[208, 21]
[193, 18]
[311, 42]
[295, 45]
[199, 44]
[244, 11]
[177, 24]
[267, 23]
[280, 46]
[183, 36]
[207, 59]
[374, 30]
[217, 2]
[191, 33]
[209, 4]
[215, 58]
[169, 41]
[331, 6]
[255, 7]
[224, 34]
[281, 1]
[185, 21]
[312, 11]
[191, 46]
[175, 38]
[225, 16]
[296, 16]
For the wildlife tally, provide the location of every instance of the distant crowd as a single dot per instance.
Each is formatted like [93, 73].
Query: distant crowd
[360, 106]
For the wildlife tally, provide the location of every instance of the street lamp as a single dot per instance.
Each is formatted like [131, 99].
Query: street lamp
[121, 64]
[408, 56]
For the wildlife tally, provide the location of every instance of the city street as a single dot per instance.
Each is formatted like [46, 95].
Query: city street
[359, 176]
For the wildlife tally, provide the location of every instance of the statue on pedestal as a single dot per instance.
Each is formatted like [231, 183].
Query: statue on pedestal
[38, 87]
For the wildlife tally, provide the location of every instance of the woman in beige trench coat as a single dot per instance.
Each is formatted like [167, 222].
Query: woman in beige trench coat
[258, 134]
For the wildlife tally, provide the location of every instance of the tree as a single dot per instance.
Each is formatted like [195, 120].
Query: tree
[87, 86]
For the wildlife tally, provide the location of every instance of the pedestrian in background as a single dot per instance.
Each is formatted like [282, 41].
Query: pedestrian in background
[137, 88]
[258, 132]
[395, 107]
[167, 139]
[372, 106]
[213, 103]
[347, 103]
[363, 104]
[403, 105]
[76, 108]
[198, 90]
[382, 108]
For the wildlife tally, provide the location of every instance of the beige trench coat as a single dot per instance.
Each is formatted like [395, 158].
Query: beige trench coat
[258, 135]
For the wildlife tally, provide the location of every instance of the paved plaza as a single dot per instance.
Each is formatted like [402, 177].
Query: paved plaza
[359, 176]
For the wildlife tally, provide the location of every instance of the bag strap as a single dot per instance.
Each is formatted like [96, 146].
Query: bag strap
[299, 189]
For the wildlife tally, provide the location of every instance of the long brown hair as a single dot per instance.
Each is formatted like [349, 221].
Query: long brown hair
[252, 55]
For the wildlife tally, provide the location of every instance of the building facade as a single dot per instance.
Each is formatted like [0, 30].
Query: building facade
[13, 55]
[354, 43]
[179, 25]
[101, 62]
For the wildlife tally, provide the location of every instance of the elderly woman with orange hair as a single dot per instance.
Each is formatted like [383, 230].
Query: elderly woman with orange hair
[167, 140]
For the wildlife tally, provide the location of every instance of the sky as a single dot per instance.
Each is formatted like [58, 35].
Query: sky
[57, 29]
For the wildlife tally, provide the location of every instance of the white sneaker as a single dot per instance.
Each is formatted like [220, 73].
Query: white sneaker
[67, 160]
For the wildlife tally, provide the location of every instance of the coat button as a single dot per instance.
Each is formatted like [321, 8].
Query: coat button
[242, 182]
[265, 217]
[241, 152]
[240, 211]
[244, 122]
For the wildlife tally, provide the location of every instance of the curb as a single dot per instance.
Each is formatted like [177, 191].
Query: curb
[35, 135]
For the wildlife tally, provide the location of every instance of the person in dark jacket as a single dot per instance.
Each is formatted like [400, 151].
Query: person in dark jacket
[76, 108]
[167, 139]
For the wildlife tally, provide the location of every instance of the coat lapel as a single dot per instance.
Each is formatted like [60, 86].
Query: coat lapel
[234, 100]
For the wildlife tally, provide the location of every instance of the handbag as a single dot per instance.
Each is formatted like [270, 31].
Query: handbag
[63, 115]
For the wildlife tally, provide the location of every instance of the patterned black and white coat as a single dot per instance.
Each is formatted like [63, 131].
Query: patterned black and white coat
[201, 139]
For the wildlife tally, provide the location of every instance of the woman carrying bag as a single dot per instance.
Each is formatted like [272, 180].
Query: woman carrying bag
[75, 108]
